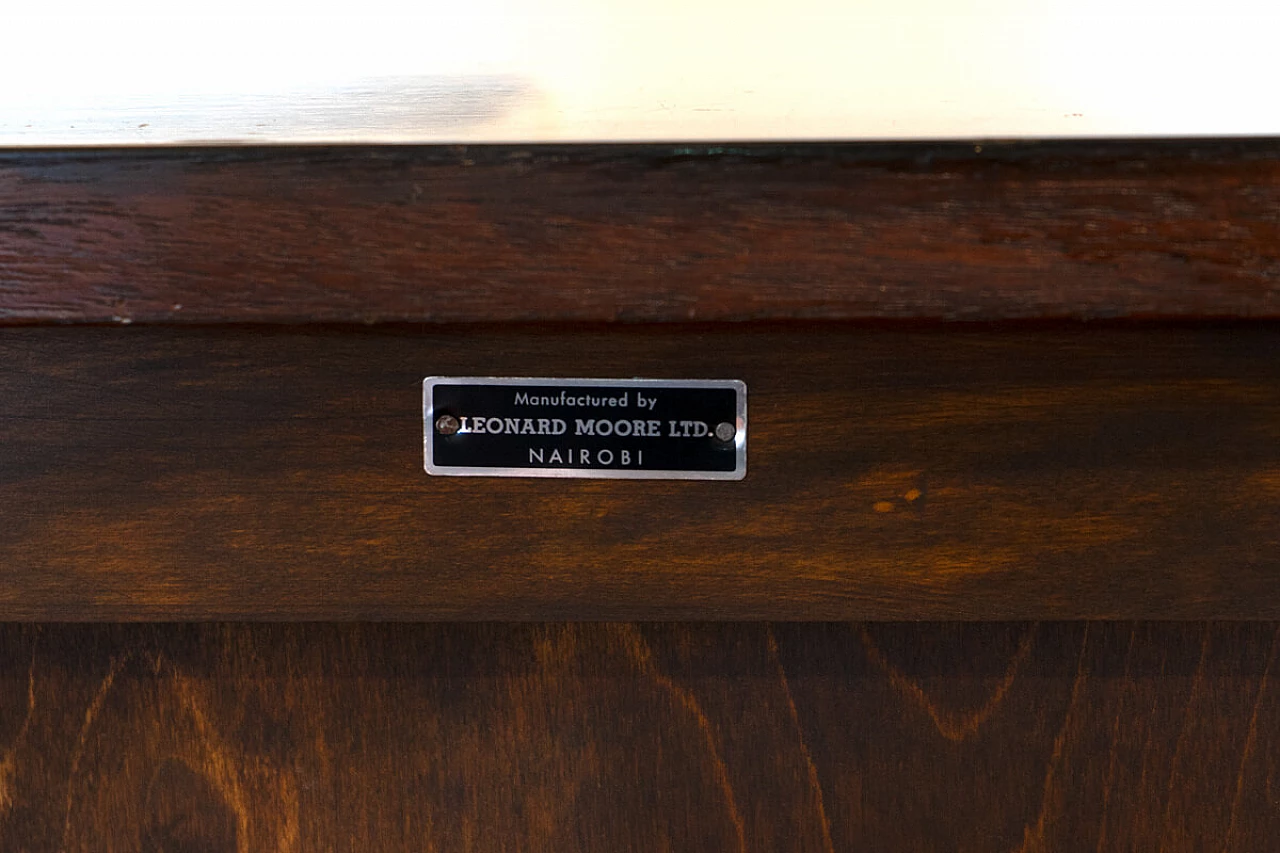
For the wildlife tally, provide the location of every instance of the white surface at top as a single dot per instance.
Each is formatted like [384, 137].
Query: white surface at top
[74, 72]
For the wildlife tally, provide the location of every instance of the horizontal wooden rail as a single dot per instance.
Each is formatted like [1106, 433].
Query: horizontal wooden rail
[893, 472]
[642, 233]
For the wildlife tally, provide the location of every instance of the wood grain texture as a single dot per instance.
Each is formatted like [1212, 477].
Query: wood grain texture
[642, 233]
[994, 737]
[263, 473]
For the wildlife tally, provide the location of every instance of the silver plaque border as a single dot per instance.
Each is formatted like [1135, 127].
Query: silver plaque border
[740, 441]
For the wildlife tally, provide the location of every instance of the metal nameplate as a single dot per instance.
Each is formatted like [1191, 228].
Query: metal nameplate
[656, 429]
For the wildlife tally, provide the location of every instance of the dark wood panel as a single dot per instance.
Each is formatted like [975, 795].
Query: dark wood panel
[994, 737]
[651, 233]
[1071, 472]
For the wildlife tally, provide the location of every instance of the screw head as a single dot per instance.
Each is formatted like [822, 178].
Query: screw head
[726, 431]
[447, 425]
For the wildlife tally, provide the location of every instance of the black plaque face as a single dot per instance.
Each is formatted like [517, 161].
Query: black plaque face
[680, 429]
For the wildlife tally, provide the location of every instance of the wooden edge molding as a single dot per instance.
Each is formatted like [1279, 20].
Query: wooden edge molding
[642, 233]
[277, 473]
